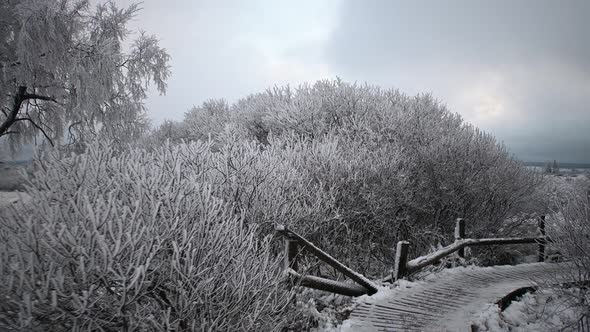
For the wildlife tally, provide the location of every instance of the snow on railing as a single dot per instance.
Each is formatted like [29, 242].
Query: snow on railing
[403, 267]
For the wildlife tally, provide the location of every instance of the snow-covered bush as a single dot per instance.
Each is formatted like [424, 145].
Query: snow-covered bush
[167, 131]
[569, 228]
[452, 169]
[200, 123]
[135, 241]
[207, 120]
[391, 166]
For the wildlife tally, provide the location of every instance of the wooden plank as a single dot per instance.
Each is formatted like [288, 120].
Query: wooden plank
[407, 301]
[375, 317]
[401, 319]
[426, 305]
[477, 277]
[516, 274]
[458, 289]
[446, 292]
[355, 276]
[441, 302]
[394, 307]
[327, 285]
[409, 304]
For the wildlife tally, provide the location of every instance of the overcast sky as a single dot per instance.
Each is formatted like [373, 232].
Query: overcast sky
[518, 69]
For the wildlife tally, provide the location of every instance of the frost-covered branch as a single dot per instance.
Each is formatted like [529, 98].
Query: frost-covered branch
[39, 97]
[68, 54]
[33, 123]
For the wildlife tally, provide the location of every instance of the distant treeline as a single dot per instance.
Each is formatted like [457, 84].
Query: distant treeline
[561, 165]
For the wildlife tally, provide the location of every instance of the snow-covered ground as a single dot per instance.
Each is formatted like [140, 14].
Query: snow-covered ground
[544, 310]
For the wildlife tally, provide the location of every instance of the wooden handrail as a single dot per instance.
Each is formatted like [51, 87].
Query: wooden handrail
[420, 262]
[310, 247]
[403, 267]
[327, 285]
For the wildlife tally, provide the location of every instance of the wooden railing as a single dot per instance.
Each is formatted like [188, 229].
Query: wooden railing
[295, 244]
[403, 267]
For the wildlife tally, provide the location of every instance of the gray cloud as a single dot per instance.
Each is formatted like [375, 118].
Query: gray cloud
[519, 69]
[231, 48]
[462, 31]
[208, 59]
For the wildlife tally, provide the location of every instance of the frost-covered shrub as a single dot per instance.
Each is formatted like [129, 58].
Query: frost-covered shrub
[168, 131]
[569, 228]
[200, 123]
[135, 241]
[359, 168]
[451, 168]
[569, 225]
[207, 120]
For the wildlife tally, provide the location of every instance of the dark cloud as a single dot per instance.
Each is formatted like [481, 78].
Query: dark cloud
[519, 69]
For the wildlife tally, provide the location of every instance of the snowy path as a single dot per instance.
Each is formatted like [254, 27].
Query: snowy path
[451, 301]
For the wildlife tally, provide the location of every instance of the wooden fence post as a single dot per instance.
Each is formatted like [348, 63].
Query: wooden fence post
[460, 235]
[291, 254]
[541, 225]
[401, 260]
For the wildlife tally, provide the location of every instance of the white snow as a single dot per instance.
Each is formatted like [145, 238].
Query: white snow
[384, 292]
[502, 281]
[544, 310]
[11, 197]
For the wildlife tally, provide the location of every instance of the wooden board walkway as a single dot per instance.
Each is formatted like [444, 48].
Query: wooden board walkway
[451, 301]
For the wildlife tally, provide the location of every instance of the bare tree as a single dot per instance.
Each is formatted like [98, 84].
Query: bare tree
[65, 70]
[555, 167]
[548, 168]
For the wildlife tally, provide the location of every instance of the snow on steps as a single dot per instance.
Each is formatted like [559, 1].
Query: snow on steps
[449, 301]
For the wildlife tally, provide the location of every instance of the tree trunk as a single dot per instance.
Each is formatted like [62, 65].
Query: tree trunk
[16, 103]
